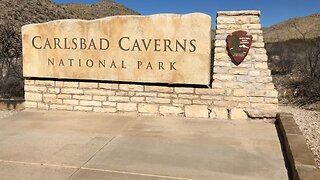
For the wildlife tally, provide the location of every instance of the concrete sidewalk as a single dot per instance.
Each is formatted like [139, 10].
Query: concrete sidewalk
[72, 145]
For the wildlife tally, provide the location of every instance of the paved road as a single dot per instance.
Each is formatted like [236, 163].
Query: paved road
[69, 145]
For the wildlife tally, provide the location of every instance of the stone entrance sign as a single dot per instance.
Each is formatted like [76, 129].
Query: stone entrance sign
[162, 48]
[158, 48]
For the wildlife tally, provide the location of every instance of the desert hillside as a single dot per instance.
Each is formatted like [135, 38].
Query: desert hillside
[309, 26]
[21, 12]
[101, 9]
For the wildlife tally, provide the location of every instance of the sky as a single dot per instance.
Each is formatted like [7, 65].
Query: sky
[272, 11]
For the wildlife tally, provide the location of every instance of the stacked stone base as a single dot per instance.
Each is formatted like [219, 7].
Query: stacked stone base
[147, 100]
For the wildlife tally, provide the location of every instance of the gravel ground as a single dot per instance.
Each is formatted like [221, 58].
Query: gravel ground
[309, 124]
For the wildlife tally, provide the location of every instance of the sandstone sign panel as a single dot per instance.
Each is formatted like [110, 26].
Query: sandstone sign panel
[163, 48]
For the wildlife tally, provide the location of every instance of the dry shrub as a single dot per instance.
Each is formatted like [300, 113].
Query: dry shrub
[11, 80]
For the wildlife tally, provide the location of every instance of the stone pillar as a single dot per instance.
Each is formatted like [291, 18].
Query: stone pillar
[249, 85]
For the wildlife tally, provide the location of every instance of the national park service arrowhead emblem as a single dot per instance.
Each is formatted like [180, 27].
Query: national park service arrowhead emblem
[238, 45]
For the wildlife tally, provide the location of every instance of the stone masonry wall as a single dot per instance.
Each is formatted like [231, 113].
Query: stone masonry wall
[112, 97]
[237, 91]
[249, 85]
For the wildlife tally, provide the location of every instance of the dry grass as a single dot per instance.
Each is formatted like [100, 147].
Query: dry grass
[309, 25]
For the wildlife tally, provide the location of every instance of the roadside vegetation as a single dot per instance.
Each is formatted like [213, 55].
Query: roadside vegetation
[295, 66]
[11, 79]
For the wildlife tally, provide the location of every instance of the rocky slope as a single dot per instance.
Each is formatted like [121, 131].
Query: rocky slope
[101, 9]
[21, 12]
[309, 26]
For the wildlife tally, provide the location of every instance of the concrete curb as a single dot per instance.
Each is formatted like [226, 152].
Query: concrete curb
[11, 105]
[300, 161]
